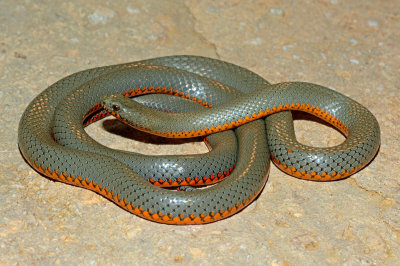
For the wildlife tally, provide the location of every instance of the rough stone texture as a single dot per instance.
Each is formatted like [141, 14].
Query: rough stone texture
[352, 46]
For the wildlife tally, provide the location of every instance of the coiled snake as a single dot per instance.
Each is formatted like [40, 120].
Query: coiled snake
[52, 138]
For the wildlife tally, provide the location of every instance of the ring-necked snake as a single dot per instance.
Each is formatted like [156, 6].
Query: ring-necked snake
[52, 138]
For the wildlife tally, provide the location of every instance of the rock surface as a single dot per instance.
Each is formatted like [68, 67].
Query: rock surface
[351, 46]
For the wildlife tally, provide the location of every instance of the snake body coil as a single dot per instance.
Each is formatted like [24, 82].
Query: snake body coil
[52, 139]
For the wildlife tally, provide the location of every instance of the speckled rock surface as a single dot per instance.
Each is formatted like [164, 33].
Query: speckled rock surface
[351, 46]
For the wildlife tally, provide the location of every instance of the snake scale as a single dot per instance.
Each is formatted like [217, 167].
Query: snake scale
[249, 123]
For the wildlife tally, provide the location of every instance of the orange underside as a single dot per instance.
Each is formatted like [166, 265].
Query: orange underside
[203, 218]
[206, 131]
[188, 181]
[314, 176]
[233, 124]
[147, 214]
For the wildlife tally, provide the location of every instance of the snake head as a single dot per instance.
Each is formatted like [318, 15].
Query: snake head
[128, 111]
[113, 103]
[121, 107]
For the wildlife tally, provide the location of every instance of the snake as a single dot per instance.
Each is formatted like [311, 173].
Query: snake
[245, 121]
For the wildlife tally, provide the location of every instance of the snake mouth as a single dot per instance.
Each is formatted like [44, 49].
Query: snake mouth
[109, 104]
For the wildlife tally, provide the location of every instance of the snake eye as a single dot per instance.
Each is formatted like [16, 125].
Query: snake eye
[115, 107]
